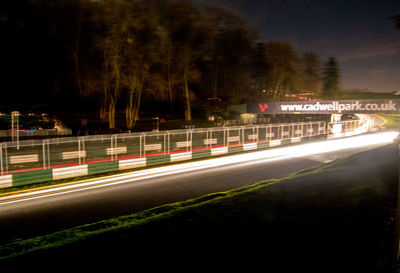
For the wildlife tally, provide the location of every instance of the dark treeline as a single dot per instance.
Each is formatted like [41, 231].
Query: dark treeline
[137, 58]
[396, 20]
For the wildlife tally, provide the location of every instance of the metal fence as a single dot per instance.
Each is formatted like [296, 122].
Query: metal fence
[36, 132]
[30, 155]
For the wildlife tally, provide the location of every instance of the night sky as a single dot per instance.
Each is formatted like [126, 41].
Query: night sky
[358, 33]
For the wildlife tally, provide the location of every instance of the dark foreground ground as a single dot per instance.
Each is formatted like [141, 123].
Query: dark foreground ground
[340, 218]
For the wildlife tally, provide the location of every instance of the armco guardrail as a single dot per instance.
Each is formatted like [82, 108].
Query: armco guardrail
[36, 161]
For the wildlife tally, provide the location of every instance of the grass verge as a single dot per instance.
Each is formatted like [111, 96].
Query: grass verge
[392, 120]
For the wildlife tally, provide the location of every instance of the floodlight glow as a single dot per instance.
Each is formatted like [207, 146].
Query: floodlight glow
[274, 154]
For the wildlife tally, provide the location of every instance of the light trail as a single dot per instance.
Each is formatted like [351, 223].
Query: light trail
[275, 154]
[372, 120]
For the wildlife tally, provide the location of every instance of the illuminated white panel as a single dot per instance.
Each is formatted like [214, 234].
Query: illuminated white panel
[219, 151]
[285, 133]
[269, 135]
[116, 150]
[249, 146]
[274, 143]
[181, 156]
[233, 139]
[298, 132]
[310, 130]
[66, 172]
[6, 181]
[181, 144]
[252, 137]
[131, 163]
[23, 159]
[73, 154]
[152, 147]
[210, 141]
[295, 139]
[336, 128]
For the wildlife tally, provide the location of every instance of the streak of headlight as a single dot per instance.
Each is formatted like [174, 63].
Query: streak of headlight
[253, 157]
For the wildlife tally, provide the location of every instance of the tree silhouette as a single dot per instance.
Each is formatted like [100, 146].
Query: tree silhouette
[283, 72]
[310, 72]
[115, 57]
[396, 20]
[331, 79]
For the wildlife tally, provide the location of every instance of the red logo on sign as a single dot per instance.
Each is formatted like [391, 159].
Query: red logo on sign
[263, 107]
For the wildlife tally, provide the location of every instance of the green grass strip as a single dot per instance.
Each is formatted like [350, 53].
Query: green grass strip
[392, 120]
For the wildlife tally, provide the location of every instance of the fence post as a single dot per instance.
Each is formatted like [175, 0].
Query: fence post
[84, 149]
[224, 136]
[6, 156]
[257, 133]
[79, 150]
[227, 137]
[191, 140]
[1, 158]
[302, 130]
[187, 140]
[293, 131]
[116, 145]
[140, 145]
[111, 147]
[44, 153]
[48, 153]
[113, 143]
[169, 142]
[164, 143]
[207, 140]
[144, 144]
[210, 138]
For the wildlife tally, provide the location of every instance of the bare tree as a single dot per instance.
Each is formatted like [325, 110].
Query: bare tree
[112, 79]
[187, 42]
[140, 53]
[115, 24]
[167, 76]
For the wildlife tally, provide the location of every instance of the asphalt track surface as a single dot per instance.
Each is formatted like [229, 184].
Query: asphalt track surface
[46, 214]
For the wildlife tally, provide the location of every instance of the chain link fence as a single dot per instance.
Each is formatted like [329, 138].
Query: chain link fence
[131, 148]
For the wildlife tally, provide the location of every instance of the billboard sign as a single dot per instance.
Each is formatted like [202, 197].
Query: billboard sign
[326, 107]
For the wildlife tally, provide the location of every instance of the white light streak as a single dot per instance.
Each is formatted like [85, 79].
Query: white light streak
[248, 158]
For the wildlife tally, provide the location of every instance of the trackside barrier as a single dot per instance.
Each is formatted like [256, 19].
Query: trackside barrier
[36, 161]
